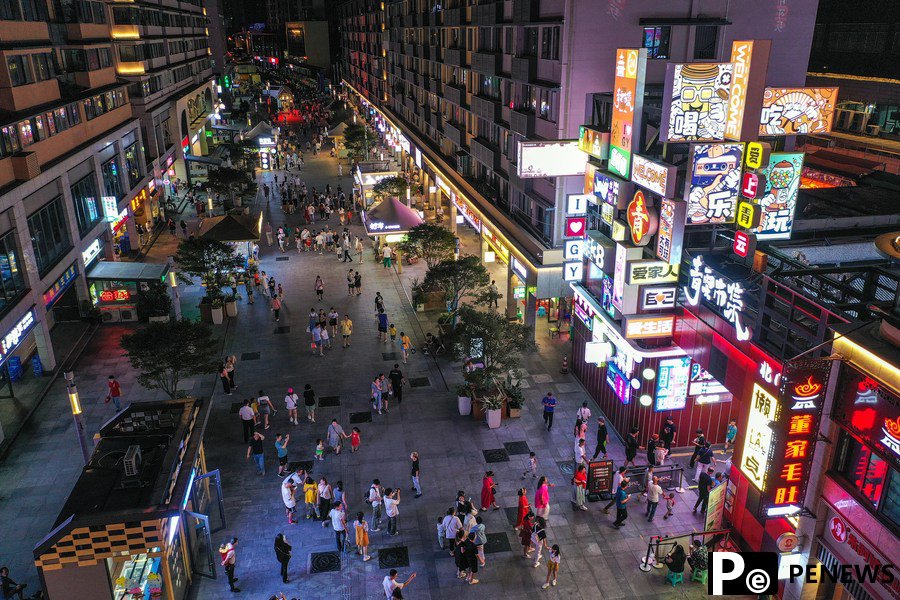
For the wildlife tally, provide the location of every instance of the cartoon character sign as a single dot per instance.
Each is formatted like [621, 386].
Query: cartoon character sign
[780, 198]
[699, 99]
[714, 183]
[795, 111]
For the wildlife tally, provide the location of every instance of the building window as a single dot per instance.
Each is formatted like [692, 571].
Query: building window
[530, 47]
[706, 39]
[87, 204]
[12, 282]
[19, 70]
[656, 41]
[49, 235]
[132, 165]
[112, 185]
[44, 68]
[34, 10]
[870, 476]
[550, 43]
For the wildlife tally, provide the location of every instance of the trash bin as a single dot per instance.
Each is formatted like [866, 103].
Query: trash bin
[36, 366]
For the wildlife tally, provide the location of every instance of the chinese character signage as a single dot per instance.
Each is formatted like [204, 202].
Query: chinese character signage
[672, 383]
[794, 111]
[642, 220]
[695, 102]
[16, 334]
[757, 452]
[628, 98]
[780, 198]
[658, 297]
[619, 383]
[671, 230]
[757, 156]
[593, 142]
[744, 243]
[797, 429]
[750, 61]
[748, 215]
[640, 327]
[655, 176]
[647, 272]
[60, 286]
[714, 183]
[722, 295]
[870, 410]
[704, 388]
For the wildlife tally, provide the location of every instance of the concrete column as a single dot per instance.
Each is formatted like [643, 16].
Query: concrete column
[42, 340]
[530, 310]
[510, 284]
[453, 213]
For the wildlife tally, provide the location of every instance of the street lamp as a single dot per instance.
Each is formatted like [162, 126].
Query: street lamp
[176, 301]
[75, 406]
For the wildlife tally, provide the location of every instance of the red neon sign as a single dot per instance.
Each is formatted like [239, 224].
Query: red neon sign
[115, 295]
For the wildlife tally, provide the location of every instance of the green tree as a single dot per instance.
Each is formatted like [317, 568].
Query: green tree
[211, 261]
[432, 242]
[394, 186]
[492, 337]
[358, 140]
[227, 181]
[458, 279]
[166, 353]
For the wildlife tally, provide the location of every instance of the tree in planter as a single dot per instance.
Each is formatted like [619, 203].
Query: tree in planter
[501, 342]
[226, 181]
[390, 186]
[155, 301]
[210, 261]
[432, 242]
[358, 140]
[458, 279]
[167, 353]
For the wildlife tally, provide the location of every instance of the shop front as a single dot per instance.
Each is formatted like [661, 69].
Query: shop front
[367, 174]
[145, 206]
[137, 523]
[115, 287]
[61, 299]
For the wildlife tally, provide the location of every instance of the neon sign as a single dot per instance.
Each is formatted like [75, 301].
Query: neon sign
[115, 296]
[723, 294]
[641, 221]
[757, 452]
[12, 339]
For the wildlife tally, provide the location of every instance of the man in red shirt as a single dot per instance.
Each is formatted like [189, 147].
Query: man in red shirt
[115, 392]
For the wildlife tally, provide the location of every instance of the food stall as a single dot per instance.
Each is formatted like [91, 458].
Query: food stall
[114, 287]
[389, 221]
[265, 138]
[137, 524]
[369, 173]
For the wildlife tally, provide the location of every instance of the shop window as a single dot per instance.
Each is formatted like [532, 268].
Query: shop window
[19, 70]
[706, 38]
[111, 179]
[49, 235]
[87, 204]
[864, 471]
[656, 41]
[133, 169]
[12, 281]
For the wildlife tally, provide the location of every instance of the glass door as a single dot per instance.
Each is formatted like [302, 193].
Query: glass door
[207, 499]
[196, 527]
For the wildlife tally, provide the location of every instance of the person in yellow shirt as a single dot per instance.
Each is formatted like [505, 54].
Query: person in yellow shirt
[405, 345]
[346, 329]
[392, 331]
[311, 497]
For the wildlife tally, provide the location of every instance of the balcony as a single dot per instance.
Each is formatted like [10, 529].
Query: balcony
[486, 153]
[486, 108]
[489, 14]
[487, 63]
[23, 97]
[76, 32]
[453, 17]
[524, 69]
[410, 103]
[454, 57]
[522, 123]
[455, 94]
[452, 133]
[434, 119]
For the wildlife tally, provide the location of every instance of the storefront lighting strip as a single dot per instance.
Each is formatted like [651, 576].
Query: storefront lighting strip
[867, 361]
[612, 329]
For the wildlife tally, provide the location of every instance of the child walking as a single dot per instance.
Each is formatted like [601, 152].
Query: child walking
[442, 532]
[362, 536]
[320, 449]
[354, 439]
[392, 331]
[552, 567]
[670, 504]
[530, 466]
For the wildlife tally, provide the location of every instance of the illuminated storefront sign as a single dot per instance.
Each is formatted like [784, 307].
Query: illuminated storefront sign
[750, 59]
[713, 183]
[744, 243]
[757, 155]
[752, 185]
[91, 252]
[575, 226]
[695, 102]
[519, 269]
[704, 388]
[793, 111]
[576, 204]
[550, 159]
[60, 286]
[780, 198]
[593, 142]
[494, 242]
[721, 294]
[757, 452]
[119, 222]
[15, 335]
[648, 272]
[590, 171]
[619, 383]
[658, 297]
[115, 296]
[802, 400]
[573, 249]
[672, 383]
[648, 326]
[642, 221]
[467, 213]
[612, 190]
[584, 310]
[870, 410]
[628, 98]
[519, 292]
[600, 250]
[748, 215]
[853, 548]
[573, 271]
[110, 208]
[669, 240]
[655, 176]
[607, 214]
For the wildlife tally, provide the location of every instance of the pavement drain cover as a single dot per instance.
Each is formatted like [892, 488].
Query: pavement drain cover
[512, 514]
[497, 542]
[250, 356]
[284, 329]
[393, 558]
[324, 562]
[517, 447]
[235, 407]
[329, 401]
[389, 356]
[567, 467]
[282, 258]
[495, 456]
[361, 417]
[419, 382]
[305, 465]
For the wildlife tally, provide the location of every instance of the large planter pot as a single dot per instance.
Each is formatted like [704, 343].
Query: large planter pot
[465, 405]
[218, 315]
[478, 410]
[515, 413]
[231, 308]
[493, 418]
[161, 319]
[205, 312]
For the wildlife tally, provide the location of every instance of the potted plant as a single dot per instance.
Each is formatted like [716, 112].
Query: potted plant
[217, 310]
[464, 398]
[493, 408]
[231, 305]
[514, 401]
[205, 307]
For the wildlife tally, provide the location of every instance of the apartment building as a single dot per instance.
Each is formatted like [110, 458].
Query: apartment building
[162, 50]
[71, 166]
[467, 81]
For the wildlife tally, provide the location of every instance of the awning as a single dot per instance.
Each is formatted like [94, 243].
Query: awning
[204, 160]
[229, 228]
[338, 131]
[389, 217]
[842, 163]
[106, 270]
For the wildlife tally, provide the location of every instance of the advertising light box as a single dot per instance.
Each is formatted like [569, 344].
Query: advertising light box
[550, 159]
[612, 190]
[670, 237]
[714, 183]
[758, 451]
[593, 142]
[779, 200]
[655, 176]
[672, 383]
[793, 111]
[750, 60]
[695, 102]
[628, 98]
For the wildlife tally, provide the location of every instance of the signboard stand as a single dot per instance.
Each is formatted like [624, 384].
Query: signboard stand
[600, 474]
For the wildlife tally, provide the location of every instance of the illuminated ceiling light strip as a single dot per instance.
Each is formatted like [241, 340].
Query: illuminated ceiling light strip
[868, 361]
